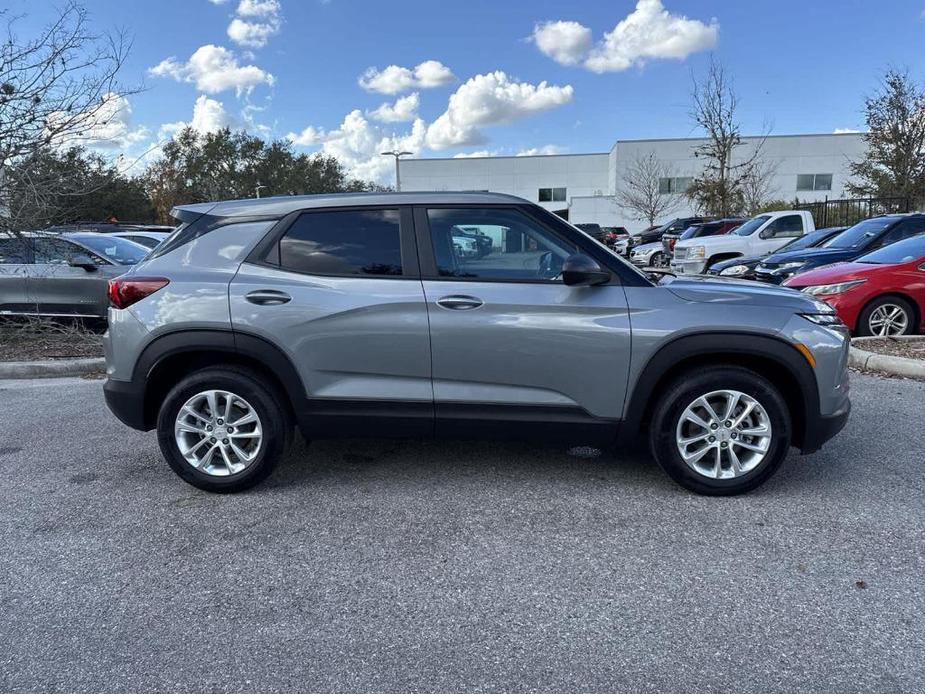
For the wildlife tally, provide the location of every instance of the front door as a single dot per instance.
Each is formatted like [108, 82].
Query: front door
[338, 291]
[15, 258]
[512, 345]
[779, 232]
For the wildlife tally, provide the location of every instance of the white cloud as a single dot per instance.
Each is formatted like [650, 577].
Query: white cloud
[107, 127]
[213, 69]
[491, 99]
[649, 32]
[209, 116]
[218, 2]
[845, 131]
[405, 108]
[357, 144]
[478, 154]
[258, 8]
[537, 151]
[565, 42]
[395, 79]
[255, 23]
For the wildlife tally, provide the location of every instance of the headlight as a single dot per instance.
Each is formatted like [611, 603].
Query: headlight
[829, 320]
[791, 266]
[735, 270]
[696, 252]
[829, 289]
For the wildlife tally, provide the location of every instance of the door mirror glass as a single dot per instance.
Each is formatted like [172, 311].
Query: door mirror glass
[82, 260]
[579, 270]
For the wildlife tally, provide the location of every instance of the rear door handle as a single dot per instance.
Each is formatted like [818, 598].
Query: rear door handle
[460, 302]
[268, 297]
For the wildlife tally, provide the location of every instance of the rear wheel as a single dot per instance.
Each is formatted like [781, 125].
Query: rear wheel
[720, 431]
[887, 316]
[658, 259]
[223, 429]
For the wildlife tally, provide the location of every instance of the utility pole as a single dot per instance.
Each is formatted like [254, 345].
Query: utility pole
[258, 189]
[398, 155]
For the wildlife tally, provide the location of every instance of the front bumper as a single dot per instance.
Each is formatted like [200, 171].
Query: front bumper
[127, 402]
[694, 266]
[824, 428]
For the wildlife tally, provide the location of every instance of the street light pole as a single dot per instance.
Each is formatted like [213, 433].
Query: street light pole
[259, 188]
[398, 155]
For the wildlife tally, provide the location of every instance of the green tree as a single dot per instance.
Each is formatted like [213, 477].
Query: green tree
[894, 163]
[228, 164]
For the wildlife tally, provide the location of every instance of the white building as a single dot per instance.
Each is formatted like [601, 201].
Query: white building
[808, 167]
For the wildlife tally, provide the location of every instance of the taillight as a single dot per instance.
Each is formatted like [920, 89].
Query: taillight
[129, 289]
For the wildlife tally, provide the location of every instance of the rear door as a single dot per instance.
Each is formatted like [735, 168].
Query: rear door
[57, 288]
[15, 259]
[512, 345]
[338, 290]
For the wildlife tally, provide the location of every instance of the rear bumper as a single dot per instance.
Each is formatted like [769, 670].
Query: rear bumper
[824, 428]
[126, 401]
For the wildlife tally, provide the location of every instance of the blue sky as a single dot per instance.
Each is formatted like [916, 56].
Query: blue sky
[508, 76]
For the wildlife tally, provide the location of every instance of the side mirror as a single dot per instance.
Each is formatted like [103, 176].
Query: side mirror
[581, 271]
[82, 260]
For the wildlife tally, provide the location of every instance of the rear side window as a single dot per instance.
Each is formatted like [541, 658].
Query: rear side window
[344, 242]
[13, 252]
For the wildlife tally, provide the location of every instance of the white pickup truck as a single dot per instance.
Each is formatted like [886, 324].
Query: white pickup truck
[761, 235]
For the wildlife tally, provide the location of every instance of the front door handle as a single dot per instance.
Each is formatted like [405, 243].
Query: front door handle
[268, 297]
[460, 302]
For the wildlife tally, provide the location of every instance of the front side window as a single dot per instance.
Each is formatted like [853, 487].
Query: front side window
[13, 252]
[344, 242]
[788, 226]
[751, 226]
[513, 246]
[54, 251]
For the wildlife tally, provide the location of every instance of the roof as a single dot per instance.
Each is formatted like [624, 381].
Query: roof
[282, 205]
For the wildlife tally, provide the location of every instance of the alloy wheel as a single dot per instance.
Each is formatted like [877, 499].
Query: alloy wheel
[218, 433]
[723, 434]
[887, 320]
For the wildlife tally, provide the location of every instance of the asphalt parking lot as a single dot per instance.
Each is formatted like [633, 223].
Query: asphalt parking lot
[406, 566]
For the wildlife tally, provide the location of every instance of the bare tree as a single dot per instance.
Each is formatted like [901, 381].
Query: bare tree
[718, 189]
[758, 185]
[642, 190]
[894, 163]
[57, 90]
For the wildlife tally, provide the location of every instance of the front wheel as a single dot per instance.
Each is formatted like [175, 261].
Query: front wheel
[223, 429]
[887, 316]
[720, 431]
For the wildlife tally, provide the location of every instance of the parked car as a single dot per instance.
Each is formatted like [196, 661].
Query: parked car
[861, 239]
[291, 311]
[760, 235]
[622, 245]
[744, 268]
[881, 293]
[696, 231]
[649, 255]
[148, 239]
[483, 242]
[62, 274]
[595, 231]
[651, 234]
[110, 227]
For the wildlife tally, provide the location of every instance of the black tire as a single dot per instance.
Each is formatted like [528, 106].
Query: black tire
[685, 390]
[863, 327]
[658, 259]
[269, 404]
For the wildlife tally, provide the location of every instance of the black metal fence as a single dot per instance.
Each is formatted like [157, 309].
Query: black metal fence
[848, 211]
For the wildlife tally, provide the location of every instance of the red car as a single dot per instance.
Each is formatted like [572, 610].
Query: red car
[881, 293]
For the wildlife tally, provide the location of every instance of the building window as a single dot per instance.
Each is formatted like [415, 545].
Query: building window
[675, 185]
[814, 182]
[552, 195]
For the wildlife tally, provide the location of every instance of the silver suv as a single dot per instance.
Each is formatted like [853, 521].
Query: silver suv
[357, 315]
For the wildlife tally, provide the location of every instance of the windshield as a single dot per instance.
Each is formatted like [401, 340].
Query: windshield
[115, 250]
[901, 252]
[859, 234]
[689, 233]
[751, 225]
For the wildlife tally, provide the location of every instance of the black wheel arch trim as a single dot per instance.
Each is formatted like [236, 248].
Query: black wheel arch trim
[234, 342]
[686, 347]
